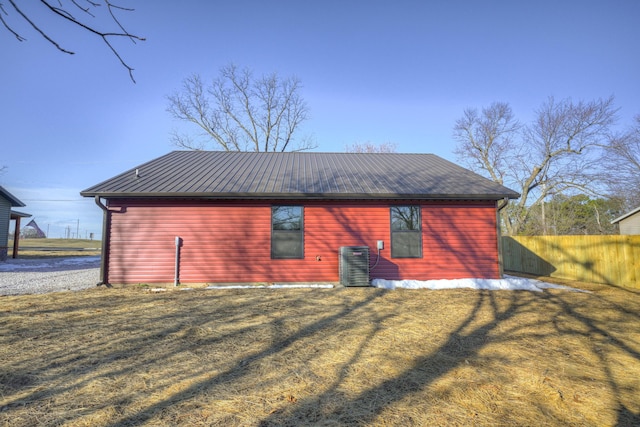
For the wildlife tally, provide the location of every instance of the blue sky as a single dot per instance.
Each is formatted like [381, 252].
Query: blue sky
[373, 71]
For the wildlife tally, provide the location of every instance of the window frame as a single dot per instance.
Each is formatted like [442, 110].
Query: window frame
[395, 234]
[283, 232]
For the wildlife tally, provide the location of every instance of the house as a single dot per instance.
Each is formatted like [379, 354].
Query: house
[7, 201]
[228, 217]
[630, 222]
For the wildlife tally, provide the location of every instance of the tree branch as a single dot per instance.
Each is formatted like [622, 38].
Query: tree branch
[35, 27]
[17, 36]
[64, 13]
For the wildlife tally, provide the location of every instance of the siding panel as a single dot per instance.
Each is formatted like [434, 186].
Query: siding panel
[5, 221]
[630, 225]
[230, 242]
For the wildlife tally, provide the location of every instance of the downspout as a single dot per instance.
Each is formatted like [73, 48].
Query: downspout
[500, 205]
[505, 202]
[106, 220]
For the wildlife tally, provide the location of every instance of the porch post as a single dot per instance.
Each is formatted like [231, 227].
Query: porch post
[16, 238]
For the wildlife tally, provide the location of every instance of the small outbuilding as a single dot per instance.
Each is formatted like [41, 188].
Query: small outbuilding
[229, 217]
[8, 201]
[629, 223]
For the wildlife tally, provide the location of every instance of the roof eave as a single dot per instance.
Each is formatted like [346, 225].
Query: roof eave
[15, 202]
[300, 196]
[628, 214]
[17, 214]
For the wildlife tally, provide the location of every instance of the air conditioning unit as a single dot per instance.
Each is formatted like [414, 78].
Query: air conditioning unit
[354, 266]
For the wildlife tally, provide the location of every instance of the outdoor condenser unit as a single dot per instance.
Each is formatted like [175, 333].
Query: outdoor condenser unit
[354, 266]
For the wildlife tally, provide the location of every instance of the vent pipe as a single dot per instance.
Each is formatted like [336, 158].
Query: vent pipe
[176, 277]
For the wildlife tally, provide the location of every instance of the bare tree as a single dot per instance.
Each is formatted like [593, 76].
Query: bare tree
[369, 147]
[77, 13]
[237, 112]
[486, 139]
[621, 161]
[553, 154]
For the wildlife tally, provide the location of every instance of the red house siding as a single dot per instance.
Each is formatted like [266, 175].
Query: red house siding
[231, 241]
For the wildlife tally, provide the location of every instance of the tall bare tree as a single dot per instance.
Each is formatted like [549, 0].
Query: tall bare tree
[485, 140]
[369, 147]
[621, 161]
[240, 112]
[554, 153]
[78, 13]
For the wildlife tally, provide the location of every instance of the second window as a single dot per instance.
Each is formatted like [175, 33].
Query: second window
[406, 232]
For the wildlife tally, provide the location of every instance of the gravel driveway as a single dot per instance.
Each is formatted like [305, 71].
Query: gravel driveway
[37, 276]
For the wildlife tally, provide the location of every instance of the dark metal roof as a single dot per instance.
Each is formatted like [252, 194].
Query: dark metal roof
[221, 174]
[11, 198]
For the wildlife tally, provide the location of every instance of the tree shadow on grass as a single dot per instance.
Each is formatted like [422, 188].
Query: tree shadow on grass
[458, 348]
[603, 342]
[296, 321]
[242, 367]
[464, 344]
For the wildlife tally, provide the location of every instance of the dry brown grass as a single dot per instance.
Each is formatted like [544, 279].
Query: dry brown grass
[30, 254]
[48, 248]
[354, 356]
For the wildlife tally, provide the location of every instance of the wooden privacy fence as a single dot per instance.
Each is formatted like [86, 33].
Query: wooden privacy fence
[612, 260]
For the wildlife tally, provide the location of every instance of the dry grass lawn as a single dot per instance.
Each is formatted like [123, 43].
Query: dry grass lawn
[354, 356]
[46, 248]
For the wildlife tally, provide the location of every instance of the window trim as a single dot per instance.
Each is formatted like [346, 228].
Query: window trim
[282, 232]
[417, 232]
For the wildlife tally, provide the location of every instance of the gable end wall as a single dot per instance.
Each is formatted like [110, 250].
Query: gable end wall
[630, 225]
